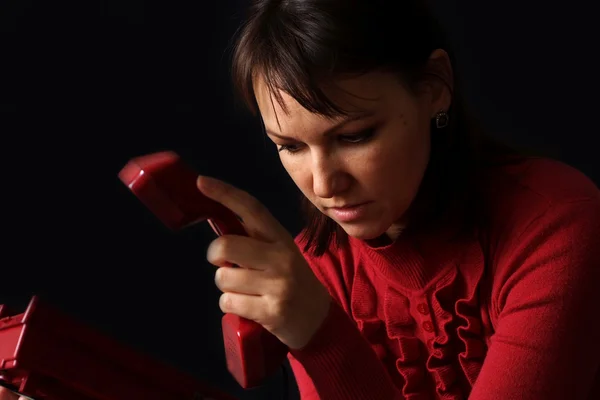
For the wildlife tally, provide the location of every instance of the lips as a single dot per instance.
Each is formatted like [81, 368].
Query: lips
[345, 207]
[349, 213]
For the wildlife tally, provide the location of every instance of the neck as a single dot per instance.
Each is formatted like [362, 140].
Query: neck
[395, 231]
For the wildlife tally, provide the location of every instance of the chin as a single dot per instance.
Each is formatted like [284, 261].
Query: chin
[363, 231]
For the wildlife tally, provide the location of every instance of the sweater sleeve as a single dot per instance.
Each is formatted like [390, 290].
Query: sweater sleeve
[546, 294]
[339, 363]
[306, 387]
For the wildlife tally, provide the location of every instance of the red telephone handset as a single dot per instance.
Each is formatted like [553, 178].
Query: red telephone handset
[167, 186]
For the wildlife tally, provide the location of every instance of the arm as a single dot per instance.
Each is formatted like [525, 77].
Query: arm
[306, 387]
[341, 363]
[547, 294]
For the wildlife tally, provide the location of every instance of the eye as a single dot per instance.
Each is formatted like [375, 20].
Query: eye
[360, 137]
[352, 139]
[290, 148]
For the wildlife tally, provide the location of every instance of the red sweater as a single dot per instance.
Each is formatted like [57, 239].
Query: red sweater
[516, 318]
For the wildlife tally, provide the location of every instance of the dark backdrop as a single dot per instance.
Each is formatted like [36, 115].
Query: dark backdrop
[89, 84]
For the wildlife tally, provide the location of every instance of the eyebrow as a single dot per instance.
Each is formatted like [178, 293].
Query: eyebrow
[329, 130]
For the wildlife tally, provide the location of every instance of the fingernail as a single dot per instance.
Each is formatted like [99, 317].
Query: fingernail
[205, 182]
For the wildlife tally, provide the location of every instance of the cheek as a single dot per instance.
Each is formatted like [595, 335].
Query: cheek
[299, 171]
[395, 166]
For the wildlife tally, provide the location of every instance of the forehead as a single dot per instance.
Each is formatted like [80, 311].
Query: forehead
[367, 92]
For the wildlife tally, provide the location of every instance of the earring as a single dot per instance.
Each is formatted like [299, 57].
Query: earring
[442, 119]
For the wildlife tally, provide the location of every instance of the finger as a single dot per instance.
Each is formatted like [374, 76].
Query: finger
[243, 305]
[258, 221]
[244, 251]
[243, 281]
[7, 394]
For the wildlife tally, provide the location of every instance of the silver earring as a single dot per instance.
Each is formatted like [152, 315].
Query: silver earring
[442, 119]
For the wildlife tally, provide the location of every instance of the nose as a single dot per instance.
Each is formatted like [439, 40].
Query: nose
[329, 176]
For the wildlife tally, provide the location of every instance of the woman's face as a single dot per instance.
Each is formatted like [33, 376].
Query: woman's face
[363, 171]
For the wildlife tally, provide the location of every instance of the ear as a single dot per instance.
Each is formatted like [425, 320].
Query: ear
[440, 80]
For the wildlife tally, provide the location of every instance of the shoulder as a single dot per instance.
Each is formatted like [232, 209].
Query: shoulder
[544, 225]
[548, 180]
[535, 189]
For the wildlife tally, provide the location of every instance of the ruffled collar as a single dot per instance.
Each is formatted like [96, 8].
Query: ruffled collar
[446, 272]
[415, 259]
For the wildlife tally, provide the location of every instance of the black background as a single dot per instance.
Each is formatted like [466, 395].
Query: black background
[88, 85]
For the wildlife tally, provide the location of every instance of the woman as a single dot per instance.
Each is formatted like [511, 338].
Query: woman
[446, 265]
[435, 262]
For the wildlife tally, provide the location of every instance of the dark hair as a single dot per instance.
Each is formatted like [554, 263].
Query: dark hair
[299, 45]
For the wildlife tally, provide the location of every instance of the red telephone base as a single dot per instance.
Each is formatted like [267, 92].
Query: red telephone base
[46, 355]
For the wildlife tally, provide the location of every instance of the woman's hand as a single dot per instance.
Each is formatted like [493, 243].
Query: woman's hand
[275, 286]
[6, 394]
